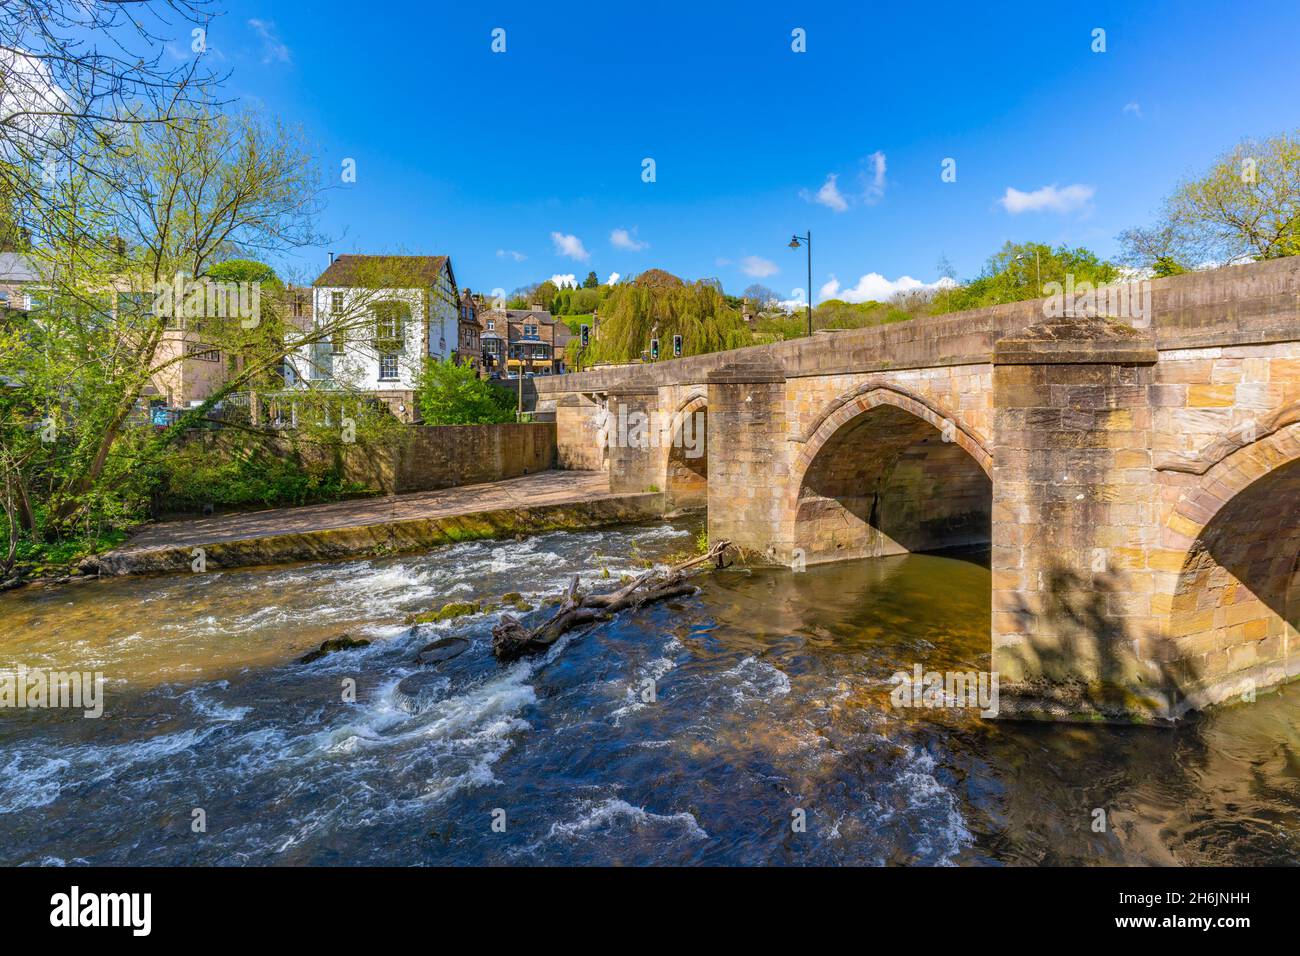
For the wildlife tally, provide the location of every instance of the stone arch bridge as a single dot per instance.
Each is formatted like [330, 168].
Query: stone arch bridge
[1136, 480]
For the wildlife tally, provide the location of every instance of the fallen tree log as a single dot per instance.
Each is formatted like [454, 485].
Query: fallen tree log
[511, 640]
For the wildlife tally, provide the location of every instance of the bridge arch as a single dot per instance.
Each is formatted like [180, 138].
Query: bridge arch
[884, 472]
[685, 454]
[1232, 547]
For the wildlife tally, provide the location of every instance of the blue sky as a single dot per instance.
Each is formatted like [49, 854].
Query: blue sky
[502, 160]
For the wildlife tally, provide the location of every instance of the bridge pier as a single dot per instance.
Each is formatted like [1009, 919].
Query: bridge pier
[633, 415]
[1074, 512]
[581, 444]
[748, 459]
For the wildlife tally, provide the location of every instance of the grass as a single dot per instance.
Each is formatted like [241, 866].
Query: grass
[36, 558]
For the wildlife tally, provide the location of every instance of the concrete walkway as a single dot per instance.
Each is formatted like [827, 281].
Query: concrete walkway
[546, 501]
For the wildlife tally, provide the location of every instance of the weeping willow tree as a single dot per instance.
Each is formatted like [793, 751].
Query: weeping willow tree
[634, 313]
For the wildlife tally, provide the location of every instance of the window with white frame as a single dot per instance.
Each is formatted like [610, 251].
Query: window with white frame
[388, 367]
[389, 321]
[336, 303]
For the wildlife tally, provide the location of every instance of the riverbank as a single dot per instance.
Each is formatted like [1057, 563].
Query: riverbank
[396, 524]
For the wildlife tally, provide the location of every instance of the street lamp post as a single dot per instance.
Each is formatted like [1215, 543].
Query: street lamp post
[1038, 268]
[794, 244]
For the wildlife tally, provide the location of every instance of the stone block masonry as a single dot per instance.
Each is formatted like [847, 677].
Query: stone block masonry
[432, 457]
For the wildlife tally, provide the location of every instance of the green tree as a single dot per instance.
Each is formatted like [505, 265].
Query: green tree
[1245, 206]
[75, 438]
[591, 281]
[663, 306]
[452, 394]
[761, 296]
[1019, 271]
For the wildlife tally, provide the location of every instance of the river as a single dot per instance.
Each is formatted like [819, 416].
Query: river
[748, 724]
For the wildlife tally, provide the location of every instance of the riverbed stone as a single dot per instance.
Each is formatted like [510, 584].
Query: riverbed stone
[335, 644]
[448, 612]
[416, 693]
[440, 651]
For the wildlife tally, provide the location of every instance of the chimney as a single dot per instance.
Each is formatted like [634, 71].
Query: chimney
[535, 307]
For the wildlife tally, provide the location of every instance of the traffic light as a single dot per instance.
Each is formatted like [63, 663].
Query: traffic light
[677, 346]
[585, 331]
[654, 350]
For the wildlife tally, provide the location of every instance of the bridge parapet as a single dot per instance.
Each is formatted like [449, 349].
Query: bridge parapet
[1234, 305]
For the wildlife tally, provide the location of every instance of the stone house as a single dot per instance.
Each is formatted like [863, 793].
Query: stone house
[529, 340]
[469, 349]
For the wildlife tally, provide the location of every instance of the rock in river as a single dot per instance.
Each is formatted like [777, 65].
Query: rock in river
[443, 650]
[341, 643]
[416, 693]
[447, 612]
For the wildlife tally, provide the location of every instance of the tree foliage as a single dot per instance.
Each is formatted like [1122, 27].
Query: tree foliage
[1245, 206]
[633, 314]
[1019, 271]
[78, 78]
[452, 394]
[180, 208]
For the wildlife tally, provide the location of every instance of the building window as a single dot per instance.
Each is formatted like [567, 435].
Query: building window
[492, 325]
[530, 331]
[336, 303]
[202, 353]
[389, 324]
[388, 367]
[337, 342]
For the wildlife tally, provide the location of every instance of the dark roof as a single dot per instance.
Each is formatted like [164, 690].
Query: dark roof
[381, 271]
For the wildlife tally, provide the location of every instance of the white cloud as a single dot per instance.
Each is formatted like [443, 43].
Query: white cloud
[829, 195]
[28, 95]
[567, 278]
[1135, 108]
[874, 183]
[511, 254]
[571, 246]
[872, 178]
[1050, 198]
[758, 267]
[613, 278]
[623, 239]
[273, 48]
[873, 287]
